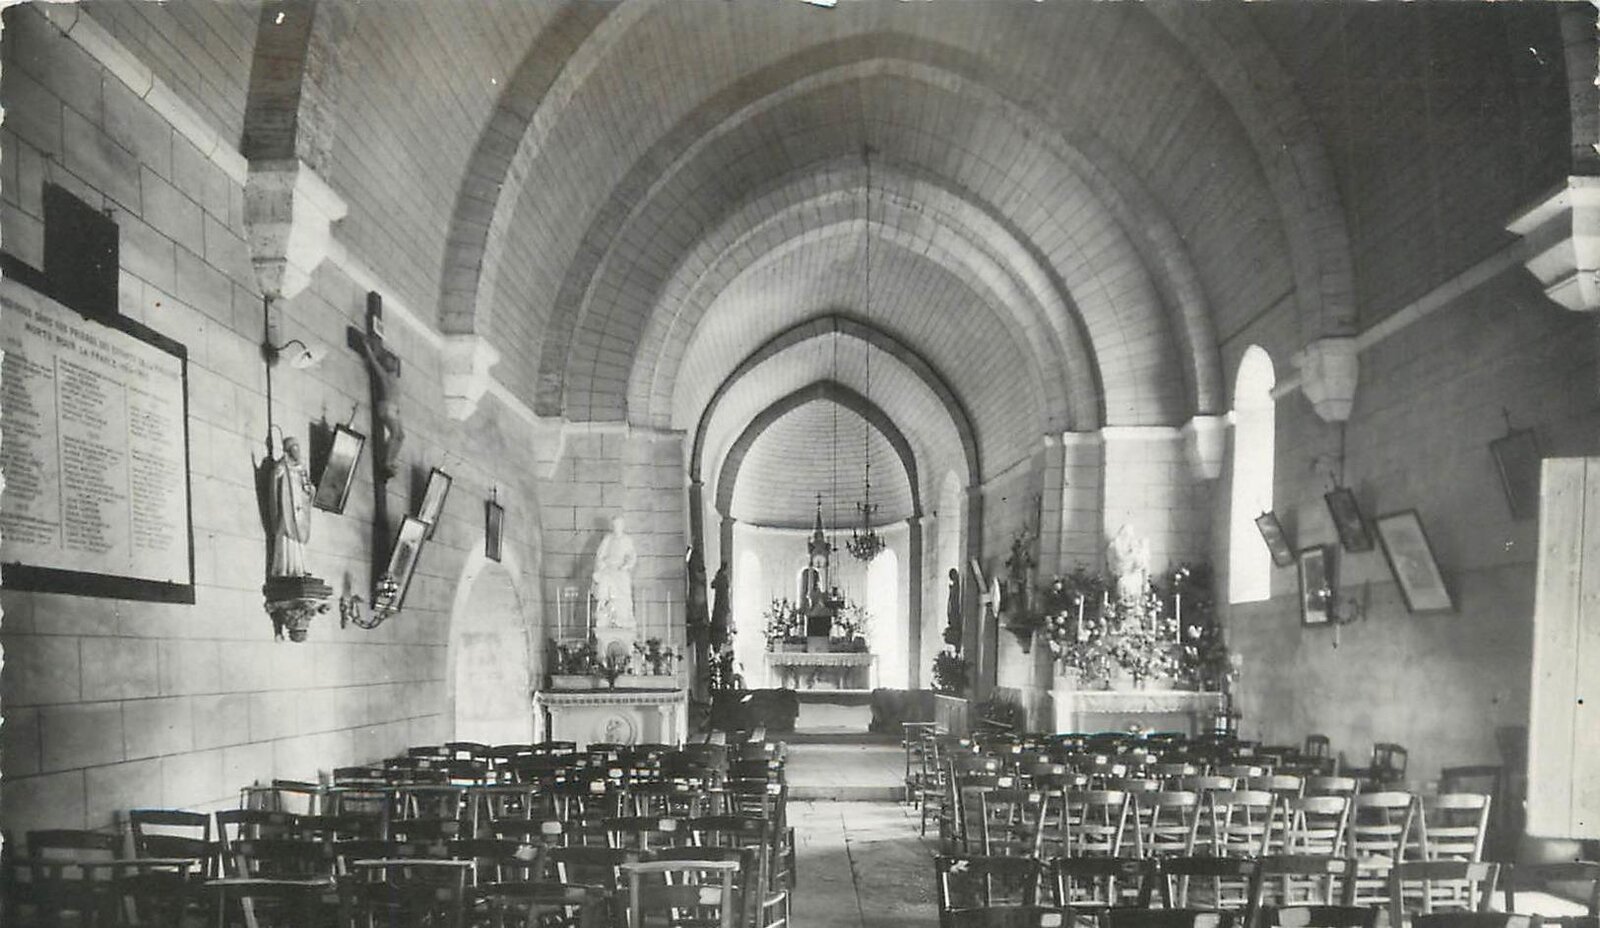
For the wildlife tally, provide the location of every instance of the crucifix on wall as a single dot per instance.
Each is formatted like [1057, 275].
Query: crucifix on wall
[383, 366]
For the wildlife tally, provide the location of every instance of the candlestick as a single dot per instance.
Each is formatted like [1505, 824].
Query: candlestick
[1177, 611]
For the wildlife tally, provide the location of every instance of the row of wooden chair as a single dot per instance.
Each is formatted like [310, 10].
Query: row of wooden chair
[1299, 890]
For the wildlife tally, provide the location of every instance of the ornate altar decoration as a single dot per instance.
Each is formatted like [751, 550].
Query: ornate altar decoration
[819, 641]
[1135, 650]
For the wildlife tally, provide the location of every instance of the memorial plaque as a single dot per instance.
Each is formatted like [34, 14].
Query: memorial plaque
[95, 453]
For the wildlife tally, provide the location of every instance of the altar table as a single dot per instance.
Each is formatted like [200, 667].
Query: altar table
[837, 670]
[611, 716]
[1119, 710]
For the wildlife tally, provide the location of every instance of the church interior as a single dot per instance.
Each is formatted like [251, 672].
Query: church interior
[405, 396]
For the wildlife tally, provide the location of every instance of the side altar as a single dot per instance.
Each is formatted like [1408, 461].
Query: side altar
[1120, 710]
[611, 716]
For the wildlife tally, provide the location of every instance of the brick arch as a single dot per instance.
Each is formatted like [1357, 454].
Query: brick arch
[828, 391]
[854, 327]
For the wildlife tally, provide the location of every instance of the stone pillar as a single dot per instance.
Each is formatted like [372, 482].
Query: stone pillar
[913, 576]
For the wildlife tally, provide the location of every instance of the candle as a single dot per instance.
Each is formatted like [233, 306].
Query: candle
[1177, 610]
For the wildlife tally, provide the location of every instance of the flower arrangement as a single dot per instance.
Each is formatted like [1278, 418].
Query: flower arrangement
[611, 667]
[574, 657]
[1094, 631]
[784, 622]
[950, 673]
[852, 622]
[651, 655]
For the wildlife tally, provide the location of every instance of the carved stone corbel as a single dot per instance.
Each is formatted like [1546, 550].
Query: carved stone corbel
[1329, 371]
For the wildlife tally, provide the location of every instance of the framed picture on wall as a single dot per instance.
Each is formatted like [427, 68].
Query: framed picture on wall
[494, 527]
[1316, 570]
[1410, 557]
[433, 497]
[403, 556]
[1516, 458]
[1277, 542]
[1347, 519]
[339, 472]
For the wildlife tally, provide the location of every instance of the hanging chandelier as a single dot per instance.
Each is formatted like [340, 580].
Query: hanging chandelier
[865, 543]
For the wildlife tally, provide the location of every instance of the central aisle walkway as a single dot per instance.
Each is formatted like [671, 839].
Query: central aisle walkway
[861, 865]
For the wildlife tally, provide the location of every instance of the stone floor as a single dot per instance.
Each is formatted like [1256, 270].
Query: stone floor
[861, 865]
[846, 771]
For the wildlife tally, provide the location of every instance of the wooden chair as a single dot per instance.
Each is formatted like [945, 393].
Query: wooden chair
[1282, 785]
[1477, 878]
[410, 891]
[1095, 884]
[643, 832]
[589, 866]
[1313, 825]
[276, 881]
[973, 881]
[1454, 826]
[1316, 746]
[1166, 822]
[1309, 889]
[1331, 786]
[1236, 823]
[71, 871]
[1378, 834]
[1096, 823]
[537, 903]
[1012, 916]
[165, 894]
[1584, 873]
[1011, 821]
[695, 889]
[235, 825]
[1175, 877]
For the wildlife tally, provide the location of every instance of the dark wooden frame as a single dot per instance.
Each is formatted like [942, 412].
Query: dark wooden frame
[412, 531]
[434, 494]
[339, 470]
[1516, 459]
[1276, 539]
[1321, 559]
[494, 527]
[1414, 554]
[19, 576]
[1347, 519]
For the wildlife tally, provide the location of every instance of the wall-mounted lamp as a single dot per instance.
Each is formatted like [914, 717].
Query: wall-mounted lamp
[300, 355]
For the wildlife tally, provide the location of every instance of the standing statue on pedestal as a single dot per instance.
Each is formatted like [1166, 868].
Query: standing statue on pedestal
[612, 586]
[952, 612]
[1128, 557]
[290, 513]
[719, 607]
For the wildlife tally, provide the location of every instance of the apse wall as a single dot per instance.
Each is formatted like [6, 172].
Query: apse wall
[111, 704]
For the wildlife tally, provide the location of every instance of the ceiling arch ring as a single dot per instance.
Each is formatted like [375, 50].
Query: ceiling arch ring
[773, 80]
[1053, 361]
[854, 327]
[475, 246]
[822, 390]
[1244, 71]
[976, 235]
[1132, 222]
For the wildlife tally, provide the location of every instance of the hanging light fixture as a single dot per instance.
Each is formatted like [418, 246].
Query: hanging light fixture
[865, 543]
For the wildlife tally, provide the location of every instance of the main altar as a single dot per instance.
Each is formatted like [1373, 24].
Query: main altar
[815, 642]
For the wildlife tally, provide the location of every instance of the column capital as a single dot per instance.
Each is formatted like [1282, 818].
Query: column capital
[1561, 237]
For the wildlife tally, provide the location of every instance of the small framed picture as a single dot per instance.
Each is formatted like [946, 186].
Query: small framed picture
[1277, 542]
[494, 528]
[1410, 557]
[403, 559]
[433, 498]
[1347, 520]
[1516, 458]
[1316, 569]
[339, 471]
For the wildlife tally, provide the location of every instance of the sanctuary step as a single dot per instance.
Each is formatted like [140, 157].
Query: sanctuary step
[845, 771]
[828, 712]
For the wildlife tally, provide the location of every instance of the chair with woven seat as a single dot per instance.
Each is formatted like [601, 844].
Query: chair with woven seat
[975, 881]
[1097, 823]
[1310, 890]
[1095, 884]
[276, 881]
[537, 903]
[384, 892]
[1174, 879]
[1166, 822]
[692, 892]
[1419, 882]
[165, 894]
[1377, 836]
[70, 871]
[1454, 826]
[1312, 825]
[1236, 823]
